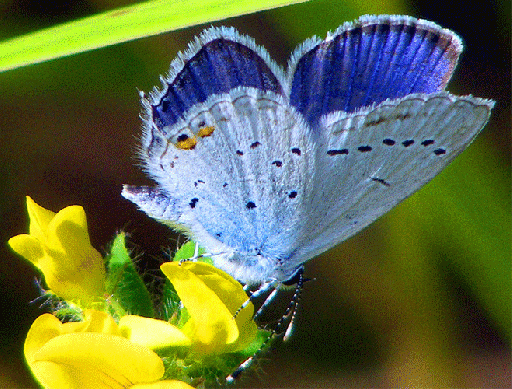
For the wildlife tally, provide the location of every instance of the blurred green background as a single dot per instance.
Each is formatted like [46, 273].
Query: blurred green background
[421, 298]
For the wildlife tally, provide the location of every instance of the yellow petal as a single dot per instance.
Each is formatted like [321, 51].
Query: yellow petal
[44, 328]
[97, 321]
[152, 333]
[167, 384]
[232, 294]
[47, 326]
[79, 268]
[94, 360]
[211, 324]
[39, 218]
[78, 276]
[67, 231]
[226, 287]
[28, 247]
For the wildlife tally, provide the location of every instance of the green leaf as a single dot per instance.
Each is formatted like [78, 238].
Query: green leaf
[129, 294]
[121, 25]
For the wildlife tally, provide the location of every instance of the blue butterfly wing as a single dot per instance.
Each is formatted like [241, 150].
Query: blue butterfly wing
[371, 160]
[230, 169]
[217, 62]
[369, 61]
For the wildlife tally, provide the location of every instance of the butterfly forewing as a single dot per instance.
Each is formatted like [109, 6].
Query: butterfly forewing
[367, 62]
[256, 192]
[218, 61]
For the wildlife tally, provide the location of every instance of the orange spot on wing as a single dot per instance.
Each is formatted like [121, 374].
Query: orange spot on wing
[186, 143]
[206, 131]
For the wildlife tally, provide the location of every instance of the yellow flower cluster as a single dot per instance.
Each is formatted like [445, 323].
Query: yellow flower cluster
[102, 353]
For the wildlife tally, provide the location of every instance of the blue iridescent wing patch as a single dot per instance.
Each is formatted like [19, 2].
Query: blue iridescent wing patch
[369, 61]
[217, 62]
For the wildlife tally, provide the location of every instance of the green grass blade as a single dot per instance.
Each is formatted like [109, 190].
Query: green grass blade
[121, 25]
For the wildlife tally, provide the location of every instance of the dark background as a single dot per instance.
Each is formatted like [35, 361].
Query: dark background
[421, 298]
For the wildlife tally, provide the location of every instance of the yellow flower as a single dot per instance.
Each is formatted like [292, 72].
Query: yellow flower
[152, 333]
[212, 297]
[94, 354]
[59, 246]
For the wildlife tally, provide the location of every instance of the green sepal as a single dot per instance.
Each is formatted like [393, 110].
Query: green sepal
[128, 293]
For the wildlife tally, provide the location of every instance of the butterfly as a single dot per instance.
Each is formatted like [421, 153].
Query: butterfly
[267, 168]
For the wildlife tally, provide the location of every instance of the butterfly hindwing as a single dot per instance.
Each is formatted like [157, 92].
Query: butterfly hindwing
[373, 159]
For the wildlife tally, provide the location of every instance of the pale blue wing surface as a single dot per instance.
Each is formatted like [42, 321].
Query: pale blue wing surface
[373, 159]
[241, 191]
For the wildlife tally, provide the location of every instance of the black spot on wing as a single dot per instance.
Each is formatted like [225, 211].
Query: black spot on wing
[388, 142]
[337, 152]
[292, 194]
[380, 181]
[364, 149]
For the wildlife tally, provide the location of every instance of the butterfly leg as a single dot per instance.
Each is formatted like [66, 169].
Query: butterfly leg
[265, 287]
[290, 310]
